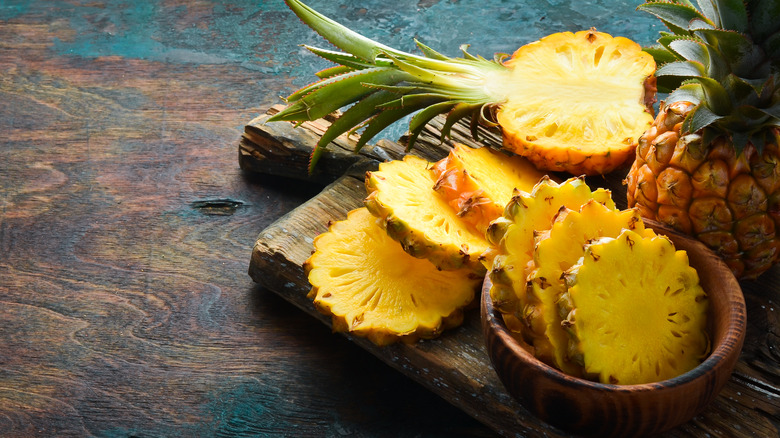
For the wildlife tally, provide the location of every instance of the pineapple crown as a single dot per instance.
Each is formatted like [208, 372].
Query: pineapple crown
[724, 57]
[383, 85]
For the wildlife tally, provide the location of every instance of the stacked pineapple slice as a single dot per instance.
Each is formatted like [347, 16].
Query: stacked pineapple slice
[637, 315]
[586, 287]
[406, 265]
[372, 288]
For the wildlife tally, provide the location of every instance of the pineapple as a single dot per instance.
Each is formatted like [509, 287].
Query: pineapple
[709, 164]
[555, 251]
[574, 102]
[511, 237]
[634, 310]
[372, 288]
[401, 194]
[478, 183]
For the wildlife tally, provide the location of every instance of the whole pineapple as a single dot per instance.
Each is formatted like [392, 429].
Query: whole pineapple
[709, 164]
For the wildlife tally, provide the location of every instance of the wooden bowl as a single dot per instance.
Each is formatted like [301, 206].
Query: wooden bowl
[590, 408]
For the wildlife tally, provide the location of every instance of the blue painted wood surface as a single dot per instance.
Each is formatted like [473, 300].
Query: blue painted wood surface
[126, 226]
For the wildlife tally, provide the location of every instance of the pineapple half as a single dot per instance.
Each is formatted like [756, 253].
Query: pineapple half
[373, 289]
[401, 195]
[574, 102]
[709, 164]
[479, 182]
[555, 251]
[634, 310]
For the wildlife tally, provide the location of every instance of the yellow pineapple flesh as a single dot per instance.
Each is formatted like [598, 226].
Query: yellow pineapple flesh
[634, 310]
[556, 250]
[372, 288]
[576, 101]
[401, 194]
[511, 236]
[479, 182]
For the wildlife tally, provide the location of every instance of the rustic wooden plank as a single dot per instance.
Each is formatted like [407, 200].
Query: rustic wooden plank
[456, 366]
[282, 149]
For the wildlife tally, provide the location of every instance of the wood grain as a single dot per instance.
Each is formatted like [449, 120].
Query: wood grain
[126, 230]
[457, 367]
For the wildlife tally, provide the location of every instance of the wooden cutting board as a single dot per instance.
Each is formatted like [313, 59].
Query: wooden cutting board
[454, 366]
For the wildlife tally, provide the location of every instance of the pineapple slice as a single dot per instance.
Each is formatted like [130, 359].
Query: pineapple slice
[478, 183]
[511, 236]
[635, 310]
[372, 288]
[401, 194]
[556, 250]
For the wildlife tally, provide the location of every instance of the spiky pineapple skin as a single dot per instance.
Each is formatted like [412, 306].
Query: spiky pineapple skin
[730, 202]
[511, 236]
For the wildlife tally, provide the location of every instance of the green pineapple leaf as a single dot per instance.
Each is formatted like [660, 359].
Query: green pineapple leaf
[745, 59]
[338, 91]
[676, 16]
[460, 111]
[661, 55]
[430, 53]
[740, 140]
[716, 95]
[689, 92]
[772, 111]
[340, 36]
[333, 71]
[379, 122]
[682, 68]
[422, 118]
[763, 18]
[690, 50]
[357, 113]
[772, 49]
[700, 117]
[732, 14]
[710, 10]
[346, 59]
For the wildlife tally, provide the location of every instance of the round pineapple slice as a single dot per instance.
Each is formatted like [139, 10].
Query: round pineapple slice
[556, 250]
[372, 288]
[479, 182]
[511, 236]
[635, 310]
[401, 194]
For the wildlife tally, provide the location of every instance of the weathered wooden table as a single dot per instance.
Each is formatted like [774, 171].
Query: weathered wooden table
[127, 227]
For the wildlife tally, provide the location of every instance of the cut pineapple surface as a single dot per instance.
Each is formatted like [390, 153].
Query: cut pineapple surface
[479, 182]
[401, 194]
[555, 251]
[576, 102]
[372, 288]
[512, 235]
[635, 310]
